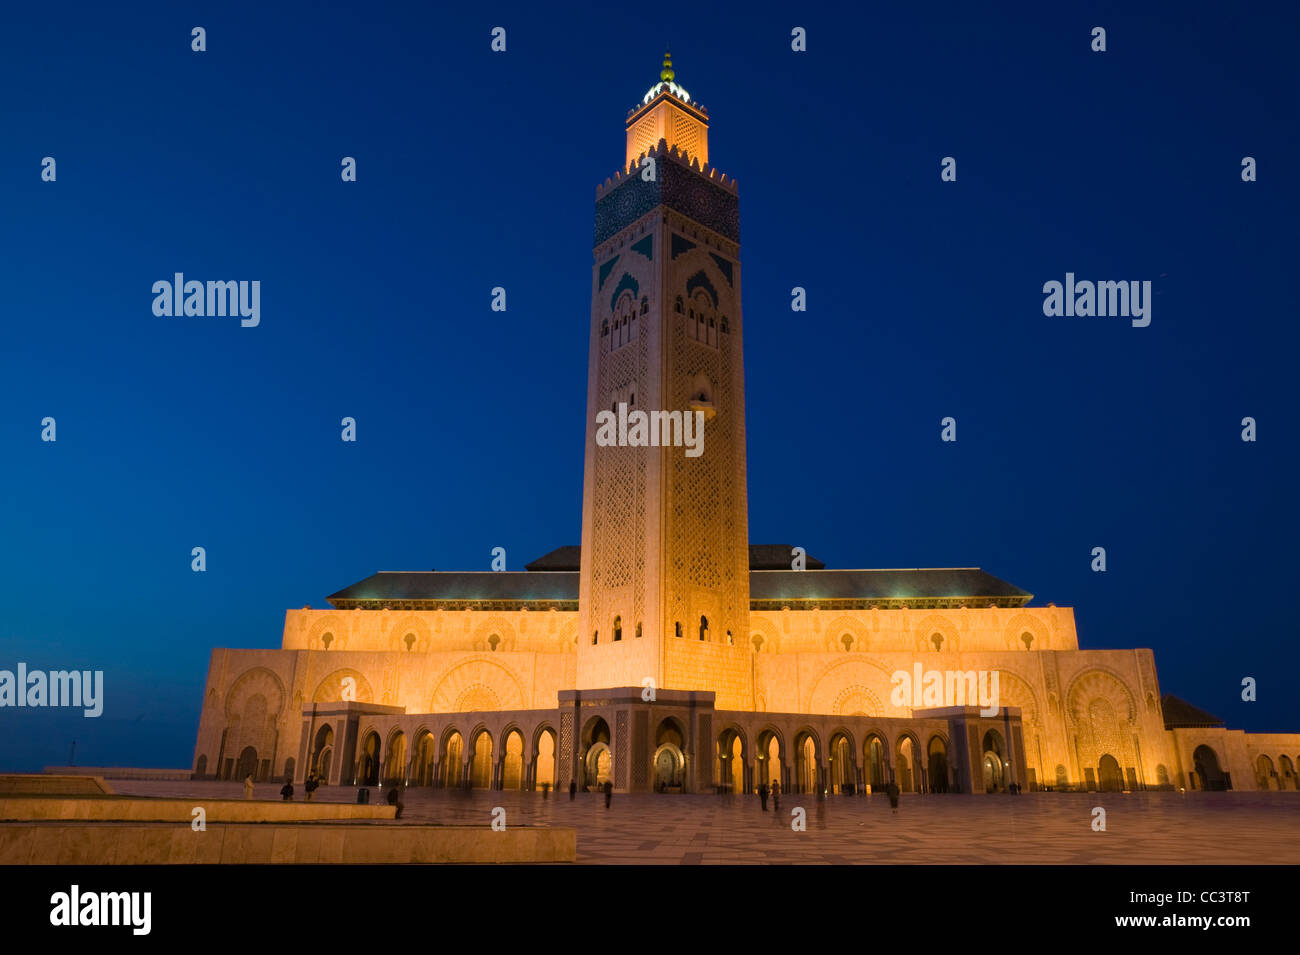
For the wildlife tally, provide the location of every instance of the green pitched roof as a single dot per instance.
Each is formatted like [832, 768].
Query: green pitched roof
[459, 589]
[926, 586]
[769, 589]
[1179, 714]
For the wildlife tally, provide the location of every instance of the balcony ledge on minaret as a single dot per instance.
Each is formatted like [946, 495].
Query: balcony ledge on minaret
[700, 404]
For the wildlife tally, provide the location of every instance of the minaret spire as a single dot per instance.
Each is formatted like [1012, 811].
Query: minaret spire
[668, 113]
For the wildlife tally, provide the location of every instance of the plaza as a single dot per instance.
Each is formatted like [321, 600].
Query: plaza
[1033, 828]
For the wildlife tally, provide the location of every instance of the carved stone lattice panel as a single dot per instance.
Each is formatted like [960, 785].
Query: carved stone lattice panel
[621, 749]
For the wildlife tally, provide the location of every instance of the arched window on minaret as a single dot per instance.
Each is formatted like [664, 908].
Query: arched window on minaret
[704, 627]
[618, 628]
[679, 308]
[645, 306]
[702, 327]
[624, 320]
[595, 635]
[678, 627]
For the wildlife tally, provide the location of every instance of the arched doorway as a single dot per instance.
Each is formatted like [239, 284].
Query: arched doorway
[1264, 772]
[769, 758]
[323, 752]
[422, 765]
[1208, 772]
[247, 764]
[905, 774]
[453, 760]
[481, 770]
[1109, 778]
[843, 771]
[938, 765]
[1285, 773]
[668, 764]
[876, 770]
[805, 763]
[544, 760]
[512, 769]
[669, 761]
[599, 765]
[368, 761]
[598, 758]
[731, 760]
[395, 761]
[993, 765]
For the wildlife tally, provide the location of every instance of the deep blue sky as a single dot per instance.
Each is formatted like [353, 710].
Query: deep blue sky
[478, 169]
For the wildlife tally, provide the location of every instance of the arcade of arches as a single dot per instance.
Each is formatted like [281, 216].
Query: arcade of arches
[687, 746]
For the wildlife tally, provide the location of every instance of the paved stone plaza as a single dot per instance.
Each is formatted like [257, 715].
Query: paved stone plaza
[1034, 828]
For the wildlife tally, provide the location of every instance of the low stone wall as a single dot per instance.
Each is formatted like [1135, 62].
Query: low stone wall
[334, 843]
[141, 809]
[120, 772]
[36, 784]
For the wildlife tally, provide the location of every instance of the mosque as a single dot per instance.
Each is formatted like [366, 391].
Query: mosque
[667, 653]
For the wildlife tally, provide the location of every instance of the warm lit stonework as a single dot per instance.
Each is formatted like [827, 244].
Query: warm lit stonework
[666, 653]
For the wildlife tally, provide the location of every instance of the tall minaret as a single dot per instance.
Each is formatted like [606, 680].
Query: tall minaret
[665, 559]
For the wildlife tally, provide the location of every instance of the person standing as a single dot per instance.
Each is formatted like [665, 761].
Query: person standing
[573, 789]
[395, 800]
[776, 795]
[609, 793]
[892, 791]
[286, 791]
[248, 786]
[762, 795]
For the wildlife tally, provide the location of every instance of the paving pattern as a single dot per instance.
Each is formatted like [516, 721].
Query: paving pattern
[1033, 828]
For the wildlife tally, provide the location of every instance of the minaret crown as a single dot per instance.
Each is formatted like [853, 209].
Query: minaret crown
[667, 112]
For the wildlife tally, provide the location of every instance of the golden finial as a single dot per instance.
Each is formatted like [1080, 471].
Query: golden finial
[666, 74]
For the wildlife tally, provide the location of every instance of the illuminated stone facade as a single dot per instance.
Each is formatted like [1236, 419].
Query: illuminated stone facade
[666, 653]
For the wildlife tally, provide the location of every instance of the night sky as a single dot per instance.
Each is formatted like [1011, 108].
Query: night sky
[478, 169]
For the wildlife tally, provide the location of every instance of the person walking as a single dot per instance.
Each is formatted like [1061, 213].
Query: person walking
[310, 785]
[286, 791]
[892, 791]
[248, 786]
[762, 795]
[609, 793]
[776, 795]
[573, 789]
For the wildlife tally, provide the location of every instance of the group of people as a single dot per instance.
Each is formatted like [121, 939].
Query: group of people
[311, 784]
[607, 789]
[774, 790]
[891, 790]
